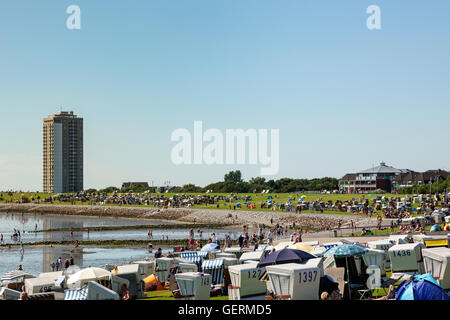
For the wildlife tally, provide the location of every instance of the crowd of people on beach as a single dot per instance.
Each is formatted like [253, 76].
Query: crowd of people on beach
[59, 265]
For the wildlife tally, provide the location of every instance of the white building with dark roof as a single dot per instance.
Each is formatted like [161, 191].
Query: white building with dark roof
[379, 177]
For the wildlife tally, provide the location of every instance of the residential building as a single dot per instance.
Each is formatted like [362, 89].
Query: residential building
[63, 153]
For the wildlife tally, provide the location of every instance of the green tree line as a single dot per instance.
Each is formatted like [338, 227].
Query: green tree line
[439, 185]
[233, 182]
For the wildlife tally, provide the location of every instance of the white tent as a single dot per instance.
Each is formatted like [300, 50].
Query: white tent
[88, 274]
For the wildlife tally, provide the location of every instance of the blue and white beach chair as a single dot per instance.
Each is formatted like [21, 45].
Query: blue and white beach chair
[76, 294]
[215, 269]
[192, 257]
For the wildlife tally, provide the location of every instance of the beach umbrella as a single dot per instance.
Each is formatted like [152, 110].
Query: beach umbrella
[435, 228]
[88, 274]
[301, 246]
[422, 287]
[285, 256]
[209, 247]
[16, 274]
[345, 250]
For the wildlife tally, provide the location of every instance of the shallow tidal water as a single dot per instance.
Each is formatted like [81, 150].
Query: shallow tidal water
[38, 259]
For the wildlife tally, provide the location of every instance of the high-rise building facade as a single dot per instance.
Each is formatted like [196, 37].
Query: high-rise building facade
[63, 153]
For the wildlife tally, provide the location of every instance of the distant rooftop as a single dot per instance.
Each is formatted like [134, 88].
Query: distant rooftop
[382, 168]
[64, 114]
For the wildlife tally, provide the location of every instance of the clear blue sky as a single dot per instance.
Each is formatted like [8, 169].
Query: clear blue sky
[343, 97]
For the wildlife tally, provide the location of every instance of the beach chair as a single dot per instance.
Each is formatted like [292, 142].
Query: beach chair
[173, 285]
[76, 294]
[215, 269]
[193, 257]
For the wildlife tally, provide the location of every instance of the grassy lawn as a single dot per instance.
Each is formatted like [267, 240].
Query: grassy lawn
[256, 199]
[385, 232]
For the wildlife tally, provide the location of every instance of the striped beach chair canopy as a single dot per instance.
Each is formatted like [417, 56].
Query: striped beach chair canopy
[192, 256]
[195, 259]
[215, 269]
[202, 254]
[76, 294]
[188, 254]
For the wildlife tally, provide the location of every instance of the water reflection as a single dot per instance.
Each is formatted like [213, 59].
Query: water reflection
[38, 260]
[26, 223]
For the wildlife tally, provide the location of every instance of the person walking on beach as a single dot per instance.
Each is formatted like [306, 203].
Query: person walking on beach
[270, 237]
[57, 265]
[53, 265]
[158, 253]
[241, 241]
[1, 238]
